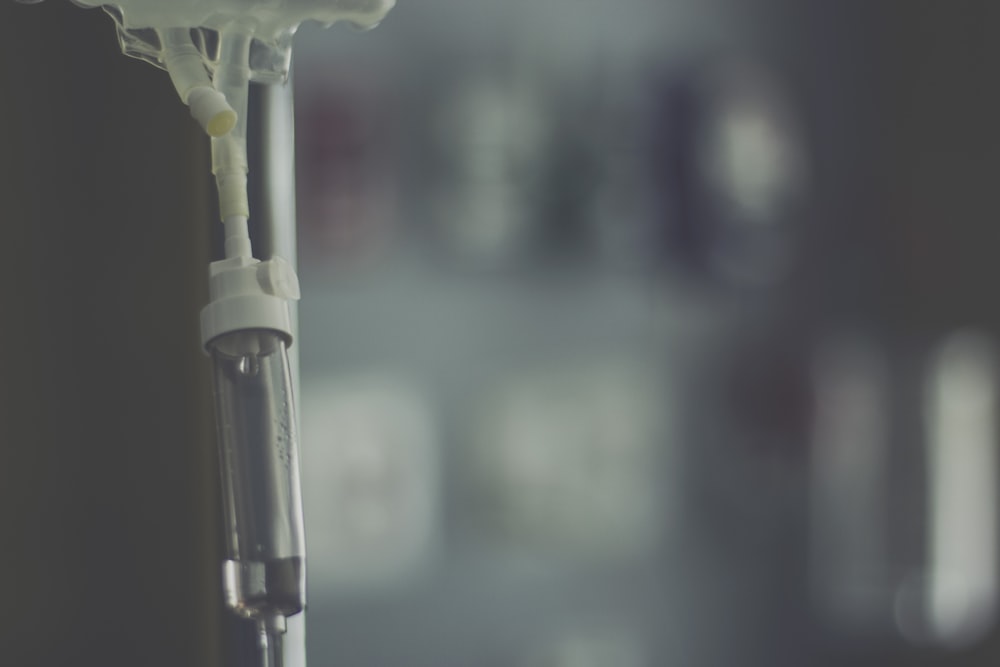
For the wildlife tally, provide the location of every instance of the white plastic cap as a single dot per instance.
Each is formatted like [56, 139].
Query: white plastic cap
[212, 111]
[249, 294]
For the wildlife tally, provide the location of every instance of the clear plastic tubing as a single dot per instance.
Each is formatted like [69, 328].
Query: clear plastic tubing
[264, 572]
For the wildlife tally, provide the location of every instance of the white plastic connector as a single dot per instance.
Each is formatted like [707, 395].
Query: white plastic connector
[249, 294]
[184, 63]
[229, 152]
[212, 111]
[237, 242]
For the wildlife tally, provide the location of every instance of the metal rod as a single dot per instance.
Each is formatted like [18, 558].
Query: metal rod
[273, 220]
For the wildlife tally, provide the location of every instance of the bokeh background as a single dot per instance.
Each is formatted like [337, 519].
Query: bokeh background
[633, 334]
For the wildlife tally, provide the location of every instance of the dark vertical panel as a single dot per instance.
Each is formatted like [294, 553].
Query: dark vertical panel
[108, 552]
[928, 229]
[939, 75]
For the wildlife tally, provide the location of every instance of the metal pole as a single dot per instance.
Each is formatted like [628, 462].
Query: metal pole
[274, 211]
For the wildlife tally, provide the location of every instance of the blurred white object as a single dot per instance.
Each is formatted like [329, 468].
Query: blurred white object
[604, 645]
[753, 154]
[962, 473]
[370, 480]
[493, 135]
[754, 163]
[894, 550]
[574, 459]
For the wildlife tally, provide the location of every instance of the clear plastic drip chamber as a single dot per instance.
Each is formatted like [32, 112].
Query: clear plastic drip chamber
[272, 23]
[265, 548]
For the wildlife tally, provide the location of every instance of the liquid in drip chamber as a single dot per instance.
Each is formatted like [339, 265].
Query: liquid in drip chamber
[256, 589]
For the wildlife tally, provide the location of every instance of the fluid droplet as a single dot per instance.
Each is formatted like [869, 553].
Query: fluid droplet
[248, 365]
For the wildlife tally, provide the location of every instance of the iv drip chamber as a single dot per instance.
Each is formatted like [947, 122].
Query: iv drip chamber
[264, 573]
[246, 331]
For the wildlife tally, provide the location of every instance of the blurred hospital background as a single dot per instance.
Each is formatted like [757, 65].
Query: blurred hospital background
[643, 333]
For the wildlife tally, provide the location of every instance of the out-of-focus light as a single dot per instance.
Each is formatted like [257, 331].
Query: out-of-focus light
[752, 151]
[751, 166]
[370, 479]
[493, 138]
[849, 482]
[869, 502]
[348, 191]
[962, 474]
[572, 460]
[600, 646]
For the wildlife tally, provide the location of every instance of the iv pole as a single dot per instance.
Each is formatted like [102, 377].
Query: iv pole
[278, 237]
[272, 199]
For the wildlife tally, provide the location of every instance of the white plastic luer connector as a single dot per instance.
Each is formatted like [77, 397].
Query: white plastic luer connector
[210, 108]
[184, 62]
[248, 294]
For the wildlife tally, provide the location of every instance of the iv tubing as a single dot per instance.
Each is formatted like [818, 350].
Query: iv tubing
[237, 237]
[271, 650]
[229, 152]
